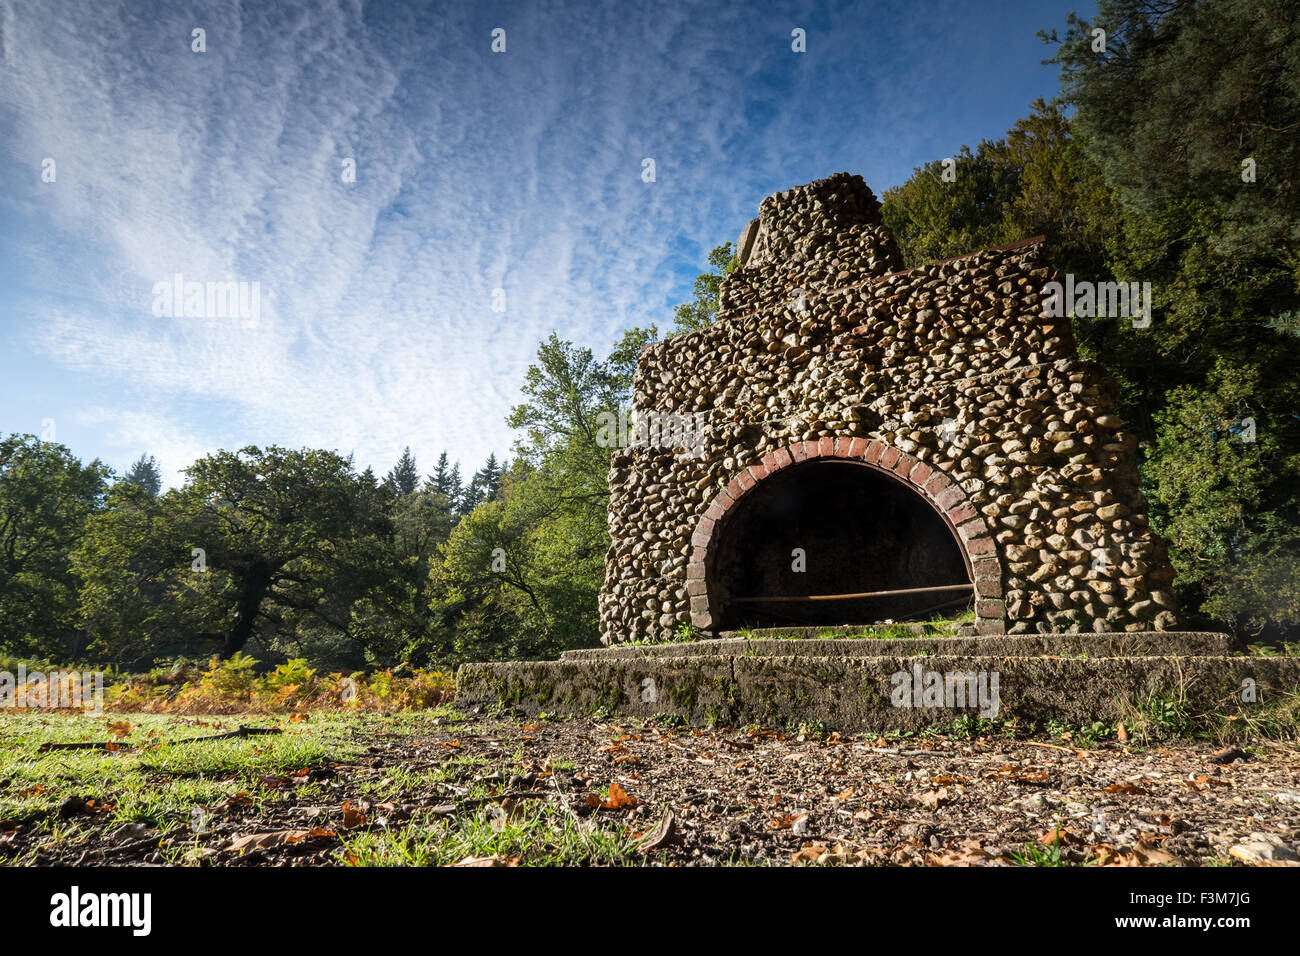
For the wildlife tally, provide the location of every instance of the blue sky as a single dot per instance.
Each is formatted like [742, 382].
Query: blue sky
[475, 172]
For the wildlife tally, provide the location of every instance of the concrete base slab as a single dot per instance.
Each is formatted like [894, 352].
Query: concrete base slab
[743, 682]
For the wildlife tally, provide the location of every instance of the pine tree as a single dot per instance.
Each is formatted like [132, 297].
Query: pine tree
[404, 478]
[489, 478]
[440, 480]
[146, 475]
[455, 490]
[472, 496]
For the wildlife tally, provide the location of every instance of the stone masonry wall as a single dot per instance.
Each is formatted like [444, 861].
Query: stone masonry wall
[949, 371]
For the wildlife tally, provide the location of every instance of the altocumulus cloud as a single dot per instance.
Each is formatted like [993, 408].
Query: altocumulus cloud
[475, 172]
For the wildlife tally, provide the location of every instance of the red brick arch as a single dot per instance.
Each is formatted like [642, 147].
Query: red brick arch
[974, 539]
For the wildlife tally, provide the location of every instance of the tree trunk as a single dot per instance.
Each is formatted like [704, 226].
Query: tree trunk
[253, 590]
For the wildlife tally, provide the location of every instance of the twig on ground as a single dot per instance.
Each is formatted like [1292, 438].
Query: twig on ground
[106, 744]
[241, 732]
[90, 745]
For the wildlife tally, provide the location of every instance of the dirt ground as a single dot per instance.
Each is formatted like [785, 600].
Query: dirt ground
[484, 790]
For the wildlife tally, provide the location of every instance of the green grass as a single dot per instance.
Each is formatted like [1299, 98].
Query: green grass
[158, 781]
[1282, 649]
[1045, 854]
[532, 834]
[161, 779]
[166, 784]
[1042, 854]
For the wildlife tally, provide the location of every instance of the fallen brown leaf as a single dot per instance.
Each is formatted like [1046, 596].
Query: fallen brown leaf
[262, 841]
[1059, 836]
[352, 817]
[1125, 788]
[488, 861]
[1137, 855]
[313, 833]
[966, 853]
[619, 798]
[810, 853]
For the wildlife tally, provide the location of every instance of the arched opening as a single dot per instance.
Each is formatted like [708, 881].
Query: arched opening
[834, 541]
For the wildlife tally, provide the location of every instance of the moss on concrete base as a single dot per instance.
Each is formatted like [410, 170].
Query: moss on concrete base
[878, 693]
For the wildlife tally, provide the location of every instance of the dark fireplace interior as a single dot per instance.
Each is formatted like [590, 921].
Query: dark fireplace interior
[857, 529]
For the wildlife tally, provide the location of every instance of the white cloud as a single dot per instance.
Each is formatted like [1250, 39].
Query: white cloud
[127, 435]
[473, 171]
